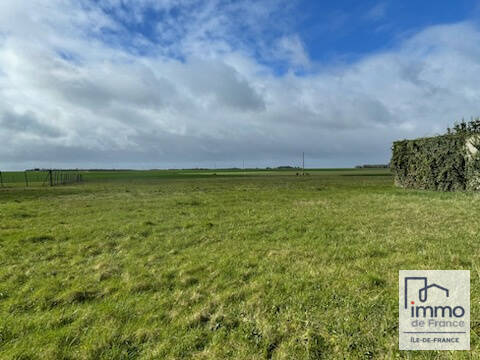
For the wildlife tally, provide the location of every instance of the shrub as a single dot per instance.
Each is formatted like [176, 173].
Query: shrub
[443, 162]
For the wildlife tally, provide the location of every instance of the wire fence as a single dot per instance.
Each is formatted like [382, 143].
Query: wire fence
[31, 178]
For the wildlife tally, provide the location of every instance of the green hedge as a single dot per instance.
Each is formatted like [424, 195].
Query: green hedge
[438, 163]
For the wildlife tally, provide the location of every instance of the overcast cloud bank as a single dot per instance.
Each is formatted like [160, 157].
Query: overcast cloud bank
[80, 88]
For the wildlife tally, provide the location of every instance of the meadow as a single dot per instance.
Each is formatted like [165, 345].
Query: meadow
[223, 264]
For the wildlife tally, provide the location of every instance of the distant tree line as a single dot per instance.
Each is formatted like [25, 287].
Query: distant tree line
[373, 166]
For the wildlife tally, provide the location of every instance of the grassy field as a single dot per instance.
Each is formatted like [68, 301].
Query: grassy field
[224, 264]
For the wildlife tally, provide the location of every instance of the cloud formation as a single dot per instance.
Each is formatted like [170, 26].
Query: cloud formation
[84, 83]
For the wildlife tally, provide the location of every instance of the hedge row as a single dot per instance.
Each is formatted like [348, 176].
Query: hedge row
[438, 163]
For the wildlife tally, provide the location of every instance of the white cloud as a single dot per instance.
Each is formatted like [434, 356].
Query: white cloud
[71, 97]
[292, 49]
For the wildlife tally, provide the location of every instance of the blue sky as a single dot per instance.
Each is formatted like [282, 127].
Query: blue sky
[330, 31]
[163, 83]
[350, 29]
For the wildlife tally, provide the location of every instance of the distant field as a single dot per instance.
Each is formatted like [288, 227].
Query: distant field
[17, 178]
[240, 265]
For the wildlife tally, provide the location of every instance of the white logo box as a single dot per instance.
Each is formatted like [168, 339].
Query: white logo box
[434, 309]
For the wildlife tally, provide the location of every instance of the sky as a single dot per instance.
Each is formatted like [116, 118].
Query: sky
[186, 83]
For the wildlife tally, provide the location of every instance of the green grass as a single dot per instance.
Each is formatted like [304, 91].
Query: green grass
[40, 178]
[187, 264]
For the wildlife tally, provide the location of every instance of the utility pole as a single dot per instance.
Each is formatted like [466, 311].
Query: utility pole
[303, 163]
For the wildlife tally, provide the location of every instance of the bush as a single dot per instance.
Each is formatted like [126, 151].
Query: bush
[442, 162]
